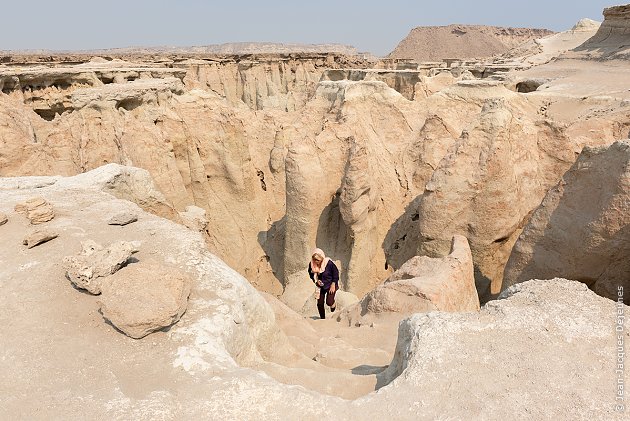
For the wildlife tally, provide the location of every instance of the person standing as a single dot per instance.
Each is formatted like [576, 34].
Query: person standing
[325, 275]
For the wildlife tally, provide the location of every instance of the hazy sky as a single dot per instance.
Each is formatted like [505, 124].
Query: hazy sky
[375, 26]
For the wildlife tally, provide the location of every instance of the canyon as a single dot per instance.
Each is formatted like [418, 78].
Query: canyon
[475, 208]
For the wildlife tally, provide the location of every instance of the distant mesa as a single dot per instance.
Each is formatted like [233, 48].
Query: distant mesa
[232, 48]
[435, 43]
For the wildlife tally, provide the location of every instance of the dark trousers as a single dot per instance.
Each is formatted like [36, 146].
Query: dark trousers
[325, 296]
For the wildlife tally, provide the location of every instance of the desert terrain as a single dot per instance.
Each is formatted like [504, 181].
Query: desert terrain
[159, 206]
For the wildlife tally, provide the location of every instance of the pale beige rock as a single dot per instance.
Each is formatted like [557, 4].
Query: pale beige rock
[580, 229]
[336, 201]
[37, 210]
[611, 39]
[38, 237]
[543, 333]
[129, 183]
[145, 297]
[586, 24]
[423, 284]
[3, 218]
[204, 145]
[486, 186]
[194, 218]
[123, 218]
[90, 269]
[537, 336]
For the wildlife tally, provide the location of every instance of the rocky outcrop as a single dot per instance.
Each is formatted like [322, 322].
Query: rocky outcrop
[534, 335]
[274, 183]
[3, 219]
[91, 268]
[611, 40]
[580, 229]
[52, 91]
[336, 201]
[421, 285]
[402, 81]
[537, 334]
[39, 236]
[145, 297]
[37, 210]
[129, 183]
[229, 323]
[434, 43]
[486, 186]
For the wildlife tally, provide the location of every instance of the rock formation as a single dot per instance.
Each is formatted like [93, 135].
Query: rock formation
[611, 40]
[236, 136]
[485, 187]
[521, 329]
[419, 174]
[37, 210]
[93, 266]
[207, 362]
[580, 229]
[3, 219]
[145, 297]
[421, 285]
[39, 236]
[435, 43]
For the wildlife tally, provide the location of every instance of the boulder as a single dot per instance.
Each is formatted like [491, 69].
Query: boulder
[37, 237]
[123, 218]
[3, 218]
[423, 284]
[581, 229]
[89, 269]
[37, 210]
[194, 218]
[145, 297]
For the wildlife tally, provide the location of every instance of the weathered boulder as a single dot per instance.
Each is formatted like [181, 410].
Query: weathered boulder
[123, 218]
[194, 218]
[37, 210]
[581, 229]
[89, 269]
[145, 297]
[37, 237]
[423, 284]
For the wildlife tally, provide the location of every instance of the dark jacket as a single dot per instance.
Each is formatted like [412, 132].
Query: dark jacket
[328, 276]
